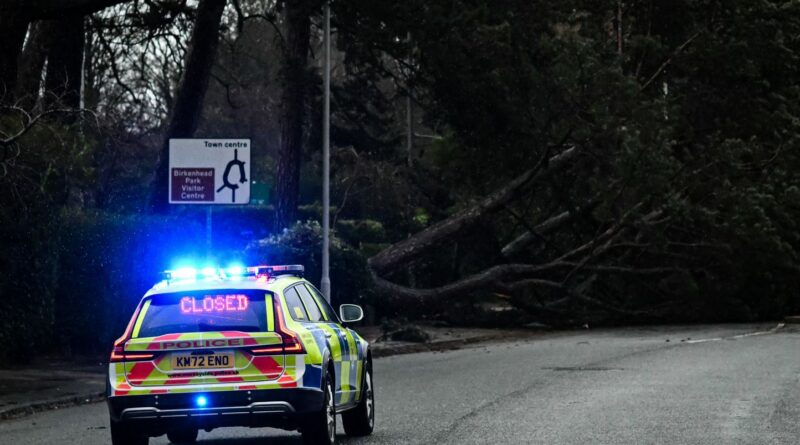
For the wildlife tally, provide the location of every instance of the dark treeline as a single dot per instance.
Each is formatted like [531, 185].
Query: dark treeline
[495, 162]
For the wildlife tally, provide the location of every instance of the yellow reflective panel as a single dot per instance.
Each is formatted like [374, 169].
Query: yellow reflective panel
[139, 321]
[270, 313]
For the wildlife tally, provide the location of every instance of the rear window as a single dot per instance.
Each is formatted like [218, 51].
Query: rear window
[204, 311]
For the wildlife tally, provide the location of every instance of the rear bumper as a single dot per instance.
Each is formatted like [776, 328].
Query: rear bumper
[157, 414]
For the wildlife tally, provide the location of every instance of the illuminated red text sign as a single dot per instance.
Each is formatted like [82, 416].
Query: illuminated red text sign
[214, 303]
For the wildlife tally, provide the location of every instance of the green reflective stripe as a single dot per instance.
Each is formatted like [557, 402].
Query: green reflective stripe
[359, 378]
[270, 313]
[139, 321]
[345, 380]
[335, 342]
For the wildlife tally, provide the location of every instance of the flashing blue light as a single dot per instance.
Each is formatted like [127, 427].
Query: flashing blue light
[184, 273]
[201, 401]
[209, 272]
[235, 271]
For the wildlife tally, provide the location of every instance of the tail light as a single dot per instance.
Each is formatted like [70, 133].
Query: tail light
[291, 343]
[118, 352]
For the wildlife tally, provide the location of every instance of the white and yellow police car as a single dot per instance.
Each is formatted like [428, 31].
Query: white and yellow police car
[255, 347]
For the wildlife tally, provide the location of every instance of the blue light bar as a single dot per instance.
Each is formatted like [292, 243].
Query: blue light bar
[235, 271]
[184, 273]
[201, 401]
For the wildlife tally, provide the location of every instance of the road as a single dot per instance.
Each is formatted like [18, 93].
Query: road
[670, 385]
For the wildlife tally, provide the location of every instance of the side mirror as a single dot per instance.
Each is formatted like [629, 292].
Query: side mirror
[351, 313]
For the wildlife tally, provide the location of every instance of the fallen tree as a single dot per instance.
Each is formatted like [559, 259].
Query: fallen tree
[566, 275]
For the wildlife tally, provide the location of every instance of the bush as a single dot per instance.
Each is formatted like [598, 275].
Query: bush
[27, 291]
[351, 281]
[106, 264]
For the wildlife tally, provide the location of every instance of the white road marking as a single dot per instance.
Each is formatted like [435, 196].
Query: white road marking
[735, 337]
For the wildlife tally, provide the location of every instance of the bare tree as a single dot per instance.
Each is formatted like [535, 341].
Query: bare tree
[15, 18]
[65, 61]
[32, 61]
[191, 93]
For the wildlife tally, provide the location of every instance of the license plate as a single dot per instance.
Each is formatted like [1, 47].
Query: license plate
[203, 361]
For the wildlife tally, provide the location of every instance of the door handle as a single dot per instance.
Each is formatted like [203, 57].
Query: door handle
[328, 335]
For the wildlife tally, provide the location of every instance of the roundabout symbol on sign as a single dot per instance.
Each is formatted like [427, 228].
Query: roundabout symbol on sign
[226, 182]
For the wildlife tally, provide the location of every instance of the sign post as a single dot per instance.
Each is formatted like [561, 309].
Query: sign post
[210, 172]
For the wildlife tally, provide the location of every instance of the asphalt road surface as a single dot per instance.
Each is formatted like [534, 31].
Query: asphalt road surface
[706, 385]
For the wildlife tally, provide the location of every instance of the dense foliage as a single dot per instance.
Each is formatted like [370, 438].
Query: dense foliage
[679, 201]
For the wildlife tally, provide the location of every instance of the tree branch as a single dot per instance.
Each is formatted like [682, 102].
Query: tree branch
[51, 9]
[28, 121]
[413, 247]
[555, 222]
[668, 61]
[471, 283]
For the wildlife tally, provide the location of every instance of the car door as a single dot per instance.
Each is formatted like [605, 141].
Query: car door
[352, 366]
[313, 336]
[316, 323]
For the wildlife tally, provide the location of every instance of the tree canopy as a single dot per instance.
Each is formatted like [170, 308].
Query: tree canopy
[575, 160]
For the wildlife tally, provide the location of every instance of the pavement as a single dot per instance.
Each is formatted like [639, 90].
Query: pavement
[50, 384]
[54, 383]
[727, 384]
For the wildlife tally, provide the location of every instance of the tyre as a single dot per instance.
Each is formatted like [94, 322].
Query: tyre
[120, 435]
[360, 421]
[320, 428]
[188, 435]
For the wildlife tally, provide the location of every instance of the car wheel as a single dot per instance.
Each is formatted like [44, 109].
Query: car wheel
[120, 435]
[188, 435]
[360, 421]
[320, 428]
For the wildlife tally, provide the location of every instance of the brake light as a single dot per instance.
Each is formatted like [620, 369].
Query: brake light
[138, 357]
[118, 353]
[291, 343]
[268, 351]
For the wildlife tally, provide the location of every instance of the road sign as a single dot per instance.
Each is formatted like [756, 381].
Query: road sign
[209, 171]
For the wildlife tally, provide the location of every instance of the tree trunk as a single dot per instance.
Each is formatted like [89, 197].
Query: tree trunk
[293, 113]
[191, 93]
[14, 21]
[91, 95]
[16, 15]
[31, 64]
[552, 223]
[65, 63]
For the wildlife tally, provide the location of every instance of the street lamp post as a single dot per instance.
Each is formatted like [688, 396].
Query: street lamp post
[325, 282]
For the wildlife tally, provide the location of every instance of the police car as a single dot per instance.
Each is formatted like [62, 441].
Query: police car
[255, 347]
